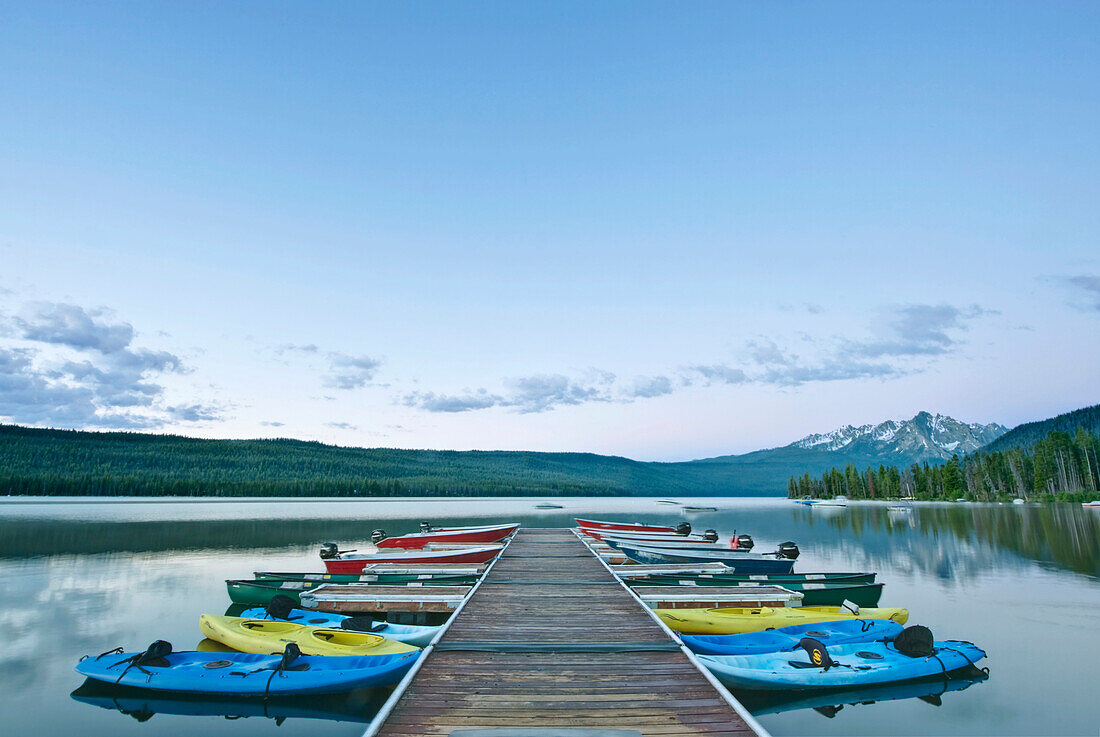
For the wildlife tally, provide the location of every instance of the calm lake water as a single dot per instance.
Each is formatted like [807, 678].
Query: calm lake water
[80, 577]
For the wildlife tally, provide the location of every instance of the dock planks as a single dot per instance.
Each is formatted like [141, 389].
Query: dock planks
[551, 640]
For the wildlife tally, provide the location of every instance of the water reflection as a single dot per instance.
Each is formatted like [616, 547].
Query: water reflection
[142, 704]
[833, 702]
[1063, 535]
[1019, 581]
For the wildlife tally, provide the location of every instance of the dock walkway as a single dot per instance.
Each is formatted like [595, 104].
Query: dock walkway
[550, 639]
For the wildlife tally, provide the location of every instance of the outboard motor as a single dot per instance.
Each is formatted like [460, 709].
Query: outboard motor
[788, 550]
[743, 542]
[711, 535]
[377, 536]
[329, 551]
[425, 526]
[683, 529]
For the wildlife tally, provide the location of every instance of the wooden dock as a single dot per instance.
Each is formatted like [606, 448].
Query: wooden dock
[549, 639]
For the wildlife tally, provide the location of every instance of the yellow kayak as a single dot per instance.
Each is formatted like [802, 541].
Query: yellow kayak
[265, 636]
[736, 621]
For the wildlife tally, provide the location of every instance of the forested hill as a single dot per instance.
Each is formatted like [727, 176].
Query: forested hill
[64, 462]
[1028, 434]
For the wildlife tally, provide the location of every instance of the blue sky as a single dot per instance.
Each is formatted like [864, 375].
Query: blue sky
[661, 230]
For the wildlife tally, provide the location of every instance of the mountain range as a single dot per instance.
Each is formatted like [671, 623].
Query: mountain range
[924, 438]
[34, 460]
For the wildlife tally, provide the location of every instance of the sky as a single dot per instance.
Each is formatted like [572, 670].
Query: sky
[659, 230]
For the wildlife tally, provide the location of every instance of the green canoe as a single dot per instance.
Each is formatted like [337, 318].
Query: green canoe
[260, 593]
[389, 579]
[827, 593]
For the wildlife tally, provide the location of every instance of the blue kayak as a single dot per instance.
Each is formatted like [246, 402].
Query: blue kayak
[410, 634]
[786, 638]
[247, 673]
[858, 664]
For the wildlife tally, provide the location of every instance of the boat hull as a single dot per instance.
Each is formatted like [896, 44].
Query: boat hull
[265, 636]
[410, 634]
[737, 562]
[813, 594]
[221, 673]
[456, 535]
[356, 564]
[735, 621]
[787, 638]
[591, 524]
[261, 592]
[872, 663]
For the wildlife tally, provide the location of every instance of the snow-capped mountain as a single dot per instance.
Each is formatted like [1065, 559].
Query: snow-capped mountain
[926, 437]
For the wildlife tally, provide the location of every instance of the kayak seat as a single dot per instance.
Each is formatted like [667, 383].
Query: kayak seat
[362, 624]
[819, 656]
[915, 641]
[797, 664]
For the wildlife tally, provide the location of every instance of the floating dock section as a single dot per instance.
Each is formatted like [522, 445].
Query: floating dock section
[548, 640]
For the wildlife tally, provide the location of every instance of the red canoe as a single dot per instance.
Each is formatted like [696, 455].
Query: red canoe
[347, 563]
[449, 535]
[591, 524]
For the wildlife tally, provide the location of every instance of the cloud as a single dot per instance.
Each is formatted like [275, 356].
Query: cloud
[295, 348]
[350, 372]
[341, 425]
[526, 395]
[830, 369]
[649, 387]
[918, 330]
[272, 423]
[915, 330]
[344, 371]
[110, 383]
[432, 402]
[720, 373]
[28, 397]
[911, 331]
[72, 326]
[1087, 288]
[543, 392]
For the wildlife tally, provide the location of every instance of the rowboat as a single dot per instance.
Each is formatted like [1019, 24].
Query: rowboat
[268, 636]
[814, 594]
[603, 535]
[357, 599]
[388, 577]
[629, 576]
[448, 535]
[355, 563]
[740, 562]
[736, 620]
[868, 664]
[410, 634]
[591, 524]
[785, 639]
[669, 543]
[260, 592]
[248, 673]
